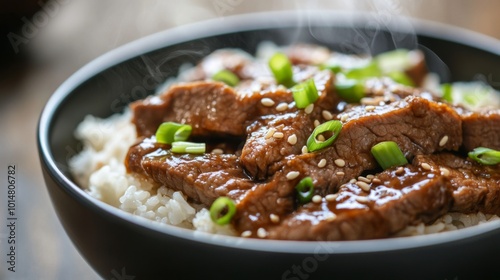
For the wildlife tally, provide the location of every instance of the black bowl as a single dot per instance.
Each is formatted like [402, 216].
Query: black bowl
[116, 243]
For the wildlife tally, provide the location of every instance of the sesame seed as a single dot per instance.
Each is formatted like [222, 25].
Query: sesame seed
[321, 138]
[340, 173]
[330, 217]
[317, 199]
[269, 140]
[444, 171]
[327, 115]
[370, 108]
[376, 181]
[370, 176]
[309, 108]
[331, 197]
[278, 135]
[274, 218]
[316, 123]
[425, 166]
[270, 133]
[340, 162]
[322, 163]
[282, 107]
[364, 179]
[443, 141]
[362, 199]
[343, 118]
[352, 181]
[400, 171]
[268, 102]
[246, 233]
[304, 150]
[292, 175]
[364, 186]
[292, 139]
[217, 151]
[261, 232]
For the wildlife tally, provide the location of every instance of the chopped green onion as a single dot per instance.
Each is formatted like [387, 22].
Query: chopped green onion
[368, 71]
[169, 132]
[332, 126]
[447, 92]
[485, 156]
[335, 68]
[222, 210]
[282, 69]
[401, 78]
[188, 147]
[471, 95]
[305, 190]
[388, 154]
[227, 77]
[350, 90]
[305, 93]
[396, 60]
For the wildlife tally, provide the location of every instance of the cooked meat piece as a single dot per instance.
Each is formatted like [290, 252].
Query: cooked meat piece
[379, 91]
[214, 109]
[256, 206]
[211, 108]
[308, 54]
[481, 129]
[263, 148]
[202, 178]
[415, 124]
[272, 138]
[237, 61]
[476, 187]
[418, 68]
[397, 197]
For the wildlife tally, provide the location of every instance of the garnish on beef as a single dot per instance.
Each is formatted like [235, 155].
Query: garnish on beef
[396, 198]
[476, 187]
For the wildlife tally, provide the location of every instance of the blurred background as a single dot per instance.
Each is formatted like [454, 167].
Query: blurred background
[43, 42]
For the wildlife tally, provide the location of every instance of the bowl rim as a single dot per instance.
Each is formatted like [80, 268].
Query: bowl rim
[246, 22]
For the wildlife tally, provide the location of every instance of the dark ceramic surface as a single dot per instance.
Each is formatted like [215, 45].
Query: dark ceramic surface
[115, 242]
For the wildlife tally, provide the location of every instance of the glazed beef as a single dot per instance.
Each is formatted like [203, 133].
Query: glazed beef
[396, 198]
[476, 187]
[415, 124]
[202, 178]
[481, 129]
[214, 109]
[272, 138]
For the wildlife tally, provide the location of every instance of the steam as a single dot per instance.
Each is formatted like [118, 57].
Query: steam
[376, 26]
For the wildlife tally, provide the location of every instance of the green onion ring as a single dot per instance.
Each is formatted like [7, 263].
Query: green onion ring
[188, 147]
[219, 206]
[334, 126]
[282, 69]
[305, 190]
[350, 90]
[305, 93]
[227, 77]
[169, 132]
[388, 154]
[485, 156]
